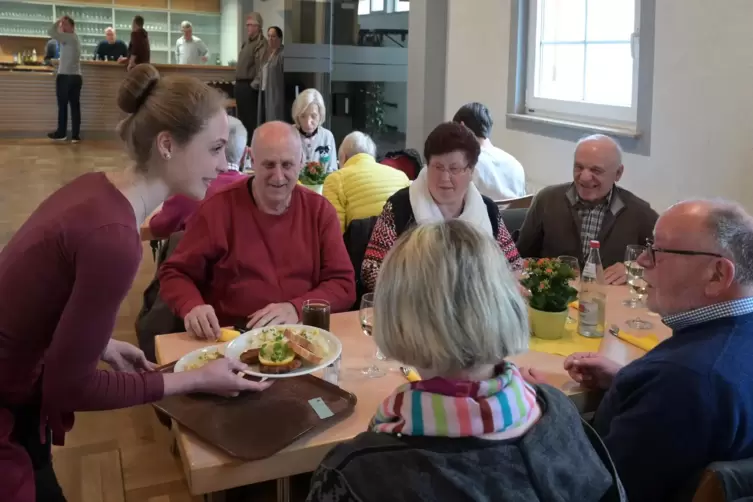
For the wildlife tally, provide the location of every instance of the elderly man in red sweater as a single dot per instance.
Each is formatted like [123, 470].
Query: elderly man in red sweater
[257, 250]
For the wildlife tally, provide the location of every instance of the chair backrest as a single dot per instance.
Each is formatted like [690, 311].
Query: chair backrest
[726, 482]
[513, 220]
[357, 237]
[519, 203]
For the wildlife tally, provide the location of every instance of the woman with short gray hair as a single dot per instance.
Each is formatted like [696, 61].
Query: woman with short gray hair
[472, 429]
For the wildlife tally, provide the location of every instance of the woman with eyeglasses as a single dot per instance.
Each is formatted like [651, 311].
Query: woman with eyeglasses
[443, 191]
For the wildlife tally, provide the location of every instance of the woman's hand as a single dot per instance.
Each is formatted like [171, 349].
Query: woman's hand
[272, 314]
[532, 376]
[122, 356]
[221, 377]
[591, 370]
[202, 323]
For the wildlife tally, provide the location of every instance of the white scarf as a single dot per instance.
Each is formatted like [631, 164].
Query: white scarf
[425, 210]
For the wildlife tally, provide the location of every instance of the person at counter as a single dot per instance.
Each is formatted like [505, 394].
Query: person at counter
[248, 73]
[272, 97]
[138, 50]
[110, 49]
[51, 51]
[68, 81]
[190, 49]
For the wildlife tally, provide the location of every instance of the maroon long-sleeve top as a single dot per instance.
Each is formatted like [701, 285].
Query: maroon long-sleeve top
[239, 259]
[63, 277]
[178, 209]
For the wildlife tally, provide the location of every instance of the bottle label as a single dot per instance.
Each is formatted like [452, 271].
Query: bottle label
[590, 270]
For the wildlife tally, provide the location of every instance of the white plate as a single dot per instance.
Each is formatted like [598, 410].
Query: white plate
[195, 357]
[250, 340]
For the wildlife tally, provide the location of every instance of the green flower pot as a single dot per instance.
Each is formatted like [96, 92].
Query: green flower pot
[547, 325]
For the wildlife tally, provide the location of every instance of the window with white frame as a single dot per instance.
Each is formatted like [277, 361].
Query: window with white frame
[402, 6]
[377, 5]
[583, 60]
[368, 6]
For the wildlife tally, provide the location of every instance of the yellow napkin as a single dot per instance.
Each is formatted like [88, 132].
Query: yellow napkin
[645, 342]
[413, 376]
[227, 334]
[570, 343]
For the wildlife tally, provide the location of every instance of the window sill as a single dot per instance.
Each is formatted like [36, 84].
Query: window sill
[621, 132]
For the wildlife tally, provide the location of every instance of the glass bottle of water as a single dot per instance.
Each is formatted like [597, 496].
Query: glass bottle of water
[593, 298]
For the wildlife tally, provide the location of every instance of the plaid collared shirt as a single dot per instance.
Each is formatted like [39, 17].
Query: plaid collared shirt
[591, 218]
[731, 308]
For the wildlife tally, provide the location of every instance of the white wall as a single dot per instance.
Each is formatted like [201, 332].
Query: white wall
[702, 126]
[272, 12]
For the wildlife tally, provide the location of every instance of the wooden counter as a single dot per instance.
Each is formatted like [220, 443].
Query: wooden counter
[29, 106]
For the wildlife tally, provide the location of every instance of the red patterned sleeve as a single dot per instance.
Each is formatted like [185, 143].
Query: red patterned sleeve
[507, 245]
[383, 237]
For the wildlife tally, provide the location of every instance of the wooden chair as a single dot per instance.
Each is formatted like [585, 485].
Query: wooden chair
[726, 482]
[519, 203]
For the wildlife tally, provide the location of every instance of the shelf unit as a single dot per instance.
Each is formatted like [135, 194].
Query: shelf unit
[32, 19]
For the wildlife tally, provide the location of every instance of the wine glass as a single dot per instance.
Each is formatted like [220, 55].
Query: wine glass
[572, 262]
[638, 286]
[366, 314]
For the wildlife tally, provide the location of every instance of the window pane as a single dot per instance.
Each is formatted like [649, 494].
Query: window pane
[563, 20]
[377, 5]
[560, 72]
[363, 7]
[609, 74]
[611, 19]
[402, 6]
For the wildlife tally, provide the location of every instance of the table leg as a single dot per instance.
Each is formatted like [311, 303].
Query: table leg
[283, 490]
[215, 497]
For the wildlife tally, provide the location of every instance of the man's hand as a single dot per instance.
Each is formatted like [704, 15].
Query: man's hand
[616, 274]
[202, 323]
[591, 370]
[123, 356]
[122, 59]
[204, 59]
[272, 314]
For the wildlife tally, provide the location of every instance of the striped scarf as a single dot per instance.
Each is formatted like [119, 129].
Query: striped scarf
[440, 407]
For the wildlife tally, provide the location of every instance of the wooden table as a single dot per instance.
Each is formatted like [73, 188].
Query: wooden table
[209, 470]
[145, 231]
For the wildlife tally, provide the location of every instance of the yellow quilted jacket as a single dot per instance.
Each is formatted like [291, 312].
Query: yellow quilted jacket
[361, 187]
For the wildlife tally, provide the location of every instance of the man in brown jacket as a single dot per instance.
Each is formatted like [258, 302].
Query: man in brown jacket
[564, 218]
[138, 50]
[248, 73]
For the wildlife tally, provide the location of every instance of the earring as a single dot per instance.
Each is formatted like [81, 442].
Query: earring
[167, 156]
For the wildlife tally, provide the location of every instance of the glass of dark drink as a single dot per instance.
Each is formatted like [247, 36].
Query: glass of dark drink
[316, 313]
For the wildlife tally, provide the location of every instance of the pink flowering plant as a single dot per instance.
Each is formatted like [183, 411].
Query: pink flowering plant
[548, 280]
[313, 173]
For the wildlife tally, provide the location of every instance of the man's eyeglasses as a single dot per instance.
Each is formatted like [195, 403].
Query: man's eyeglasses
[651, 251]
[453, 170]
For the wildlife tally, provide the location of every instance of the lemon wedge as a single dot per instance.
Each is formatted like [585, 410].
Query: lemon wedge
[227, 335]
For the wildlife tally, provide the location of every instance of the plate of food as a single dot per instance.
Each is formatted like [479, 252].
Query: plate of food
[285, 351]
[199, 357]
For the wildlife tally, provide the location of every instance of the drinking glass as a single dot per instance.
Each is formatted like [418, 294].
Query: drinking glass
[572, 262]
[366, 314]
[638, 286]
[316, 313]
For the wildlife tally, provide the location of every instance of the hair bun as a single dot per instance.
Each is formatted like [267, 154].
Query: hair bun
[136, 87]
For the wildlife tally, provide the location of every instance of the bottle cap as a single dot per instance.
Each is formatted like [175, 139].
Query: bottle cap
[595, 244]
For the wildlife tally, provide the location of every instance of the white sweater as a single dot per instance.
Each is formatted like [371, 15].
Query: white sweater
[499, 175]
[320, 148]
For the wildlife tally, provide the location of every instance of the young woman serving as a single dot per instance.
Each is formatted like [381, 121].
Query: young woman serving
[65, 272]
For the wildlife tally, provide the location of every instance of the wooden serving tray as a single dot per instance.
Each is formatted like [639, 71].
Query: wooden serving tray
[257, 425]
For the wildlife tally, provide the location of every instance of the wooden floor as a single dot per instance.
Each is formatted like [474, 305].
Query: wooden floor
[114, 455]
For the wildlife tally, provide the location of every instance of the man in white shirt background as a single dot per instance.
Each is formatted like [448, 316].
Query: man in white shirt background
[190, 49]
[498, 175]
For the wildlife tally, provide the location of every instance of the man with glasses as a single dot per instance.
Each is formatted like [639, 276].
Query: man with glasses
[564, 219]
[689, 401]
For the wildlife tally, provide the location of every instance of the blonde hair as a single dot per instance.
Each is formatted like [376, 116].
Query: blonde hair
[446, 300]
[178, 104]
[186, 24]
[355, 143]
[306, 99]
